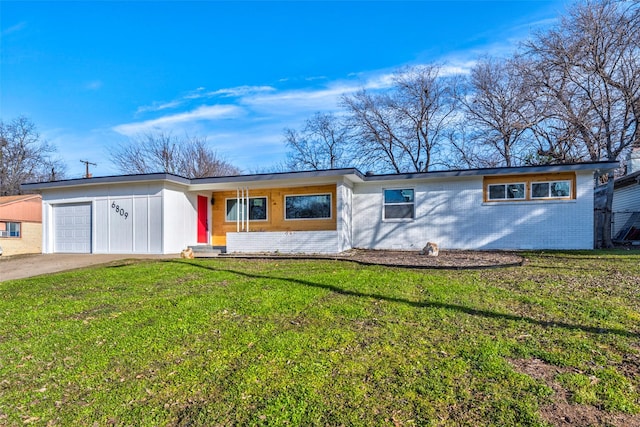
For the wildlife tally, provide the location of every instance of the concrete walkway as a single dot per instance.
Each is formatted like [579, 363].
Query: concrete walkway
[23, 266]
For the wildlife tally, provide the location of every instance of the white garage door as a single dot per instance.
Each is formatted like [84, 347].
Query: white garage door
[72, 228]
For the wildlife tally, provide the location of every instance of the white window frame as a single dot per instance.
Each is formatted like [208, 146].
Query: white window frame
[505, 185]
[385, 204]
[308, 195]
[266, 201]
[5, 233]
[549, 196]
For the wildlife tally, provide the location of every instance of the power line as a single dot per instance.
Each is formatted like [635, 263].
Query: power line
[86, 164]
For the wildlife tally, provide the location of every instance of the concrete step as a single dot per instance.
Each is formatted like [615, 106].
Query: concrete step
[207, 251]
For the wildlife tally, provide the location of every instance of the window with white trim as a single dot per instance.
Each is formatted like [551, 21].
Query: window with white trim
[307, 206]
[551, 190]
[257, 209]
[507, 191]
[9, 229]
[399, 203]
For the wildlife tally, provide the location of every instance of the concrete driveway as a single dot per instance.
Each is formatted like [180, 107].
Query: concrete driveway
[22, 266]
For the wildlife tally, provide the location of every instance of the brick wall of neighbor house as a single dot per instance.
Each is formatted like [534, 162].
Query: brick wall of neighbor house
[453, 214]
[29, 242]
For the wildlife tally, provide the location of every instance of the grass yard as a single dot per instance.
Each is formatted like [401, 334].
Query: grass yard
[293, 342]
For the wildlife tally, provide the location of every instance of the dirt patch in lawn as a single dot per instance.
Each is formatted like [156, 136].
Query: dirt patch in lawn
[445, 259]
[561, 412]
[453, 259]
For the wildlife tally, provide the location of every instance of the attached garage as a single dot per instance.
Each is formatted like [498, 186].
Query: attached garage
[72, 228]
[137, 214]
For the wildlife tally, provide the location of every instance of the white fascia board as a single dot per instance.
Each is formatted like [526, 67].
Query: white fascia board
[107, 180]
[292, 179]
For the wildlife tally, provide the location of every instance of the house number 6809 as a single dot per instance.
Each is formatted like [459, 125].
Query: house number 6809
[119, 210]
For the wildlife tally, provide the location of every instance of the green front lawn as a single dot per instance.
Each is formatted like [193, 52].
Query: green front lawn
[292, 342]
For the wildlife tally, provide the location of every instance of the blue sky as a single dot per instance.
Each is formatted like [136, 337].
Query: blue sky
[92, 74]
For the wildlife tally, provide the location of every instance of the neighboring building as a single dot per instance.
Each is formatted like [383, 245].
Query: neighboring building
[626, 202]
[536, 207]
[21, 224]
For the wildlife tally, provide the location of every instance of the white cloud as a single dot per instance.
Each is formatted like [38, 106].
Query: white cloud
[240, 91]
[93, 85]
[159, 106]
[14, 29]
[299, 100]
[205, 112]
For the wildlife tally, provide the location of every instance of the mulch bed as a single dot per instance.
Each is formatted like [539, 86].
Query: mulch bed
[447, 259]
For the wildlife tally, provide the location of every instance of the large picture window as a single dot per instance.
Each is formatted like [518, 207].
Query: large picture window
[9, 229]
[399, 204]
[551, 190]
[257, 209]
[316, 206]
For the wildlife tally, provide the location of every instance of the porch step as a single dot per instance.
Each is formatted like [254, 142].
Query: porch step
[206, 251]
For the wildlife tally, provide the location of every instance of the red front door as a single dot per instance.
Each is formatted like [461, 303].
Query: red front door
[203, 218]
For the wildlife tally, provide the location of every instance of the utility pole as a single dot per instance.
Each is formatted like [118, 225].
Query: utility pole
[86, 164]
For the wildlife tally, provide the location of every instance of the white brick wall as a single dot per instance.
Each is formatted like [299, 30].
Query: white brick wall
[309, 242]
[452, 214]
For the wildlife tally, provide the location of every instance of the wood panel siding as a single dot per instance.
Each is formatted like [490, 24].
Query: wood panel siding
[529, 179]
[275, 213]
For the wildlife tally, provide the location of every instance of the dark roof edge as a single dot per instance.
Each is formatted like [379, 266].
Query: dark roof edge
[627, 180]
[279, 175]
[114, 179]
[121, 179]
[587, 166]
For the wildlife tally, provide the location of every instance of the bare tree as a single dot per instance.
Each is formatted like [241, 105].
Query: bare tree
[323, 143]
[464, 151]
[590, 66]
[402, 128]
[197, 160]
[498, 111]
[24, 157]
[163, 152]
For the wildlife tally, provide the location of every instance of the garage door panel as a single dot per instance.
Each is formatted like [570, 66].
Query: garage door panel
[72, 228]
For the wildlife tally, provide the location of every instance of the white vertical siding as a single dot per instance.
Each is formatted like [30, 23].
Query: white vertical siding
[121, 228]
[101, 228]
[625, 201]
[155, 216]
[344, 224]
[140, 213]
[180, 215]
[125, 218]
